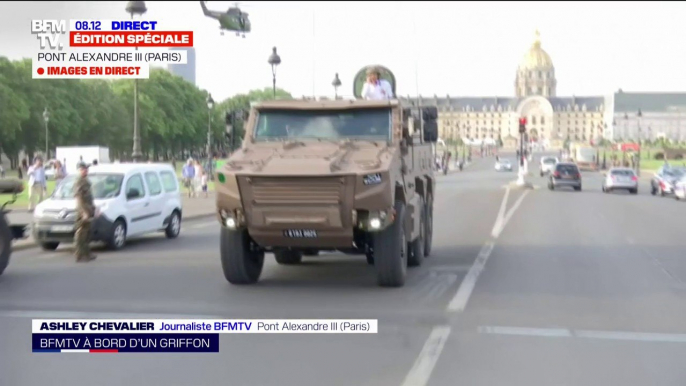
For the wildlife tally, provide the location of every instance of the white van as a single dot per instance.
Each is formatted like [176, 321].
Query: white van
[132, 199]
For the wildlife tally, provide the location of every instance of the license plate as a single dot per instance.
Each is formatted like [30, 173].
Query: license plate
[300, 233]
[62, 228]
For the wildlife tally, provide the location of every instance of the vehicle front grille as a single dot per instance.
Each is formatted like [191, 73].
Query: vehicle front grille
[60, 214]
[296, 190]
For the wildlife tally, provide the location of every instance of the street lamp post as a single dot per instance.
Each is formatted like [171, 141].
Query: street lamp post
[210, 105]
[640, 145]
[46, 118]
[137, 8]
[274, 60]
[336, 83]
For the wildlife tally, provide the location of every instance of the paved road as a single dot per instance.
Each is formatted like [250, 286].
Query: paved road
[523, 288]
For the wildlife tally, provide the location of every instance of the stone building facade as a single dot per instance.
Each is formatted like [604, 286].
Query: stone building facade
[551, 119]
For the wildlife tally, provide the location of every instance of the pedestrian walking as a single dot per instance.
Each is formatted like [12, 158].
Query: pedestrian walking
[188, 174]
[60, 172]
[37, 183]
[197, 186]
[86, 212]
[203, 183]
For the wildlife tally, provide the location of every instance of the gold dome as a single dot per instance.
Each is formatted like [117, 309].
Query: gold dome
[536, 58]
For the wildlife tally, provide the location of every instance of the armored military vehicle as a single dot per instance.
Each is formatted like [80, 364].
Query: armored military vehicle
[353, 176]
[9, 232]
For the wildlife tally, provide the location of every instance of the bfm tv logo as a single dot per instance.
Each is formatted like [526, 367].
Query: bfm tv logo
[48, 32]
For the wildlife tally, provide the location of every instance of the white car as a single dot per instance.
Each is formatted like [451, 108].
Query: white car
[503, 164]
[548, 164]
[131, 200]
[680, 189]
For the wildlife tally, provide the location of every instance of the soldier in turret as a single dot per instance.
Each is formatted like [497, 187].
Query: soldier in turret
[86, 212]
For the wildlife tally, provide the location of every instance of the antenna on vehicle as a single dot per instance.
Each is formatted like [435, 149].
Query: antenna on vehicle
[416, 79]
[314, 55]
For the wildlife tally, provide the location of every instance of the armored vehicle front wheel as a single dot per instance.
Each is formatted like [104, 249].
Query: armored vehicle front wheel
[415, 257]
[428, 224]
[5, 243]
[242, 262]
[288, 257]
[390, 251]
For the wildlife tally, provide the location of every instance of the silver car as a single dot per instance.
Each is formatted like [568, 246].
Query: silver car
[620, 178]
[503, 164]
[548, 164]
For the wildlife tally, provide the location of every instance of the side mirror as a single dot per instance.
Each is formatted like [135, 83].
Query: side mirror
[133, 193]
[430, 131]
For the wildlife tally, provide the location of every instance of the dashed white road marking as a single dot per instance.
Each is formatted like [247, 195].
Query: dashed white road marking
[512, 210]
[459, 302]
[425, 363]
[497, 227]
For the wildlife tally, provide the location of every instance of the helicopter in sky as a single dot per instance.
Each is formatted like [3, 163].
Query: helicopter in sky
[232, 20]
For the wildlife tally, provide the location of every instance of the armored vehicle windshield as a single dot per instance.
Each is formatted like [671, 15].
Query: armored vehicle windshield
[365, 123]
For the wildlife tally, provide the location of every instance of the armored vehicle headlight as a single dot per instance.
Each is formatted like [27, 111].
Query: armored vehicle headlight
[375, 223]
[231, 223]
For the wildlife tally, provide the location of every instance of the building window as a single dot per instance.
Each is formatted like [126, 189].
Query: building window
[533, 120]
[542, 120]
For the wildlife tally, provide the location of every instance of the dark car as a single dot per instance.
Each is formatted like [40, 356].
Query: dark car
[565, 174]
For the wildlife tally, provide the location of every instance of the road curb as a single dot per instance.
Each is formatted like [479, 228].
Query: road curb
[18, 248]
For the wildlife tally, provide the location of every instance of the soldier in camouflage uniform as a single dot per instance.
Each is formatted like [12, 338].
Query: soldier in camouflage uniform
[85, 208]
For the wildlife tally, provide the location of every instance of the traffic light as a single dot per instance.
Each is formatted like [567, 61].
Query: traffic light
[522, 125]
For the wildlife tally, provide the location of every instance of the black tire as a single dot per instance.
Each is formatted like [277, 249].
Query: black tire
[653, 190]
[415, 248]
[288, 257]
[633, 191]
[541, 174]
[117, 238]
[241, 262]
[429, 223]
[551, 186]
[311, 252]
[5, 243]
[390, 251]
[174, 226]
[49, 245]
[577, 188]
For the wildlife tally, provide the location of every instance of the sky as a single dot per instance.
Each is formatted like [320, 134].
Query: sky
[433, 48]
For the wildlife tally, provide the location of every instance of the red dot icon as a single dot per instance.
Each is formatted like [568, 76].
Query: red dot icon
[40, 71]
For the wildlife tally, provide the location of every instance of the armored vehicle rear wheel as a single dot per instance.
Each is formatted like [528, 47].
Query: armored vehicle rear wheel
[288, 257]
[390, 251]
[415, 257]
[242, 262]
[428, 224]
[5, 243]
